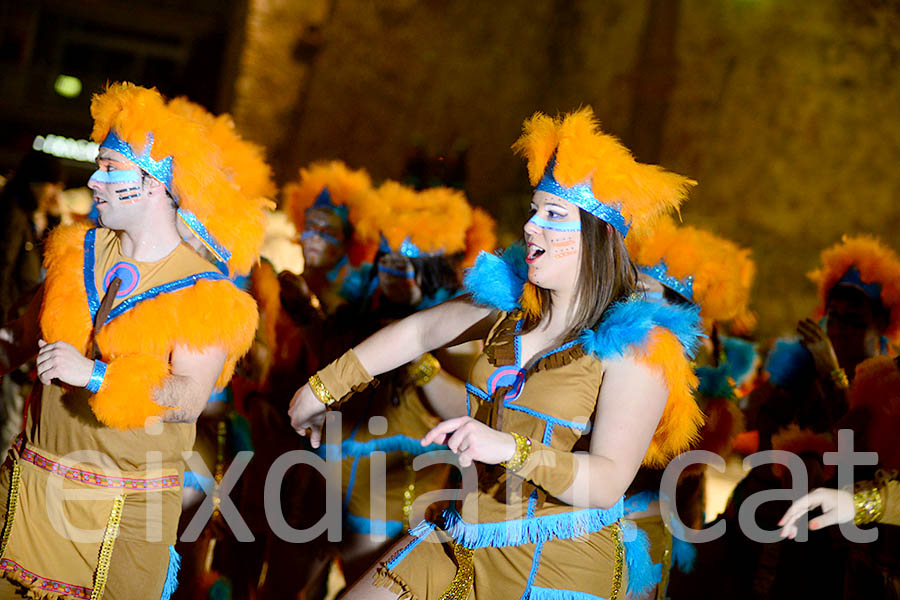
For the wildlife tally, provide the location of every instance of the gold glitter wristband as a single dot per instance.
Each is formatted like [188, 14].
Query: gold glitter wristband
[321, 392]
[424, 369]
[839, 378]
[523, 451]
[869, 503]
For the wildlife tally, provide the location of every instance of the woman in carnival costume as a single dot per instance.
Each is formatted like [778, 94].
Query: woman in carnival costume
[857, 317]
[691, 266]
[559, 320]
[165, 327]
[420, 233]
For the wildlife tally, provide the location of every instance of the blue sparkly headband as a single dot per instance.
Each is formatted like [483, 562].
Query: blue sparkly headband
[582, 196]
[853, 278]
[684, 287]
[407, 248]
[323, 200]
[161, 170]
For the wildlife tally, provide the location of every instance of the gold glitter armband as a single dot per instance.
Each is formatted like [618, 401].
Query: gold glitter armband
[321, 392]
[839, 378]
[424, 369]
[523, 451]
[869, 503]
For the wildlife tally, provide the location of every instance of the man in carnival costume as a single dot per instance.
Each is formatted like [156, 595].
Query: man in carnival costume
[691, 266]
[544, 520]
[133, 330]
[858, 285]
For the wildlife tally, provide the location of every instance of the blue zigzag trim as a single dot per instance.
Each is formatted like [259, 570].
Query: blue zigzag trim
[562, 526]
[90, 284]
[498, 280]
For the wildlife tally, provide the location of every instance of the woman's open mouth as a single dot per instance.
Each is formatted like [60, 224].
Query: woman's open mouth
[534, 253]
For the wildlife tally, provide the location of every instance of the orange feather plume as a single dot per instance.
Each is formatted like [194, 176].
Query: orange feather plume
[480, 237]
[723, 272]
[347, 187]
[875, 262]
[219, 177]
[641, 192]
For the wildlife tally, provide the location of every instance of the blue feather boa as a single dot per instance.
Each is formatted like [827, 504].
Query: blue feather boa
[498, 281]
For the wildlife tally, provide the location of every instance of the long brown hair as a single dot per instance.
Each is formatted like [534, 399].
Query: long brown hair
[605, 276]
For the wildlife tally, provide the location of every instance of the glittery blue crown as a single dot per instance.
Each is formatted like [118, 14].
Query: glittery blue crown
[853, 278]
[161, 170]
[582, 196]
[407, 248]
[684, 287]
[323, 200]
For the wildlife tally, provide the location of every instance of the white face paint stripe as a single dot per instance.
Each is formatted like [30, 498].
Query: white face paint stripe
[556, 226]
[119, 176]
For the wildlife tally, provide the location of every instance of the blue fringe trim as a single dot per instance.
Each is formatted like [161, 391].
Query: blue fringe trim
[171, 583]
[562, 526]
[789, 361]
[201, 483]
[642, 573]
[498, 280]
[684, 554]
[539, 593]
[359, 524]
[628, 323]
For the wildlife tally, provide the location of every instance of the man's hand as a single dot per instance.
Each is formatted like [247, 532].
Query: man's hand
[307, 413]
[814, 338]
[472, 440]
[64, 362]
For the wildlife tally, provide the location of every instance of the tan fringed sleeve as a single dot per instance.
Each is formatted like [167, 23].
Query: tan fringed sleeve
[549, 468]
[345, 375]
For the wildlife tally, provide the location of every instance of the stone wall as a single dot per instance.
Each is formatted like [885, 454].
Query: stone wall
[785, 111]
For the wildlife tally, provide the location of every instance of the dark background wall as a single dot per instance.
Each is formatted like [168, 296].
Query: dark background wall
[785, 111]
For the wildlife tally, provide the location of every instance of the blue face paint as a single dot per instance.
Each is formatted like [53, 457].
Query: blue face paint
[310, 233]
[396, 272]
[118, 176]
[556, 225]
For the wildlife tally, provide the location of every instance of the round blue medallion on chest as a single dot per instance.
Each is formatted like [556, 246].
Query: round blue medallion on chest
[507, 376]
[129, 275]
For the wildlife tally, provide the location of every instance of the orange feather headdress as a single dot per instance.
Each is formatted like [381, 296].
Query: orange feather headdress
[219, 181]
[345, 187]
[709, 270]
[433, 221]
[866, 263]
[570, 157]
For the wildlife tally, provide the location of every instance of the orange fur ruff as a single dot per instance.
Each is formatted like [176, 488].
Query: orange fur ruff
[217, 176]
[679, 426]
[137, 344]
[876, 263]
[642, 192]
[723, 272]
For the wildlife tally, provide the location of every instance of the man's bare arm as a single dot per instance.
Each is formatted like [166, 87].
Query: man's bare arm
[193, 378]
[19, 338]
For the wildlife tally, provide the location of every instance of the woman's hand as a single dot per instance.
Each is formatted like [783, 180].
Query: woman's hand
[307, 413]
[837, 507]
[472, 440]
[814, 338]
